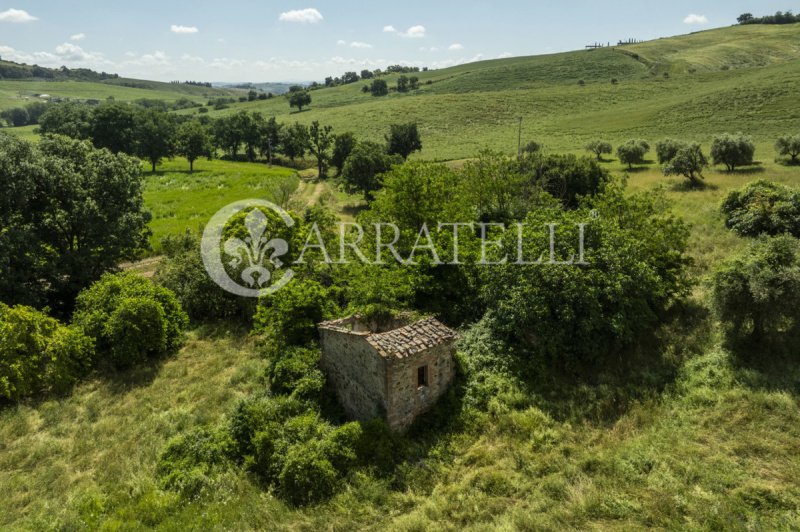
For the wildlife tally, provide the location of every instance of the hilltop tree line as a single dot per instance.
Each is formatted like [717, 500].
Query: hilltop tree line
[780, 17]
[11, 70]
[353, 77]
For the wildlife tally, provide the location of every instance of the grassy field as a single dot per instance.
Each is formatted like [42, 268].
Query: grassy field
[179, 200]
[471, 107]
[714, 446]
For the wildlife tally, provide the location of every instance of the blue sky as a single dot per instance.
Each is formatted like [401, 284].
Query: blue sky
[297, 40]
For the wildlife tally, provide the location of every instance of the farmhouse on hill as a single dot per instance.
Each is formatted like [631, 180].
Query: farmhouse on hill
[394, 369]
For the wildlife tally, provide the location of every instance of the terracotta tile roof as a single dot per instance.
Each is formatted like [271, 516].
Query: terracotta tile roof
[411, 339]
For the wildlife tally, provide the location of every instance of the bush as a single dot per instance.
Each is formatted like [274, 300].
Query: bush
[182, 271]
[38, 354]
[757, 294]
[296, 372]
[732, 150]
[292, 314]
[307, 475]
[190, 461]
[575, 316]
[633, 152]
[130, 318]
[762, 207]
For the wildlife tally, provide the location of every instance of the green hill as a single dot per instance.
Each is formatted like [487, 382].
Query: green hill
[742, 77]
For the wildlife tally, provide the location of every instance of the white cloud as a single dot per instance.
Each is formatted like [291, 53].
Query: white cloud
[78, 37]
[183, 30]
[695, 19]
[389, 29]
[306, 16]
[341, 42]
[414, 32]
[455, 47]
[16, 15]
[356, 44]
[505, 55]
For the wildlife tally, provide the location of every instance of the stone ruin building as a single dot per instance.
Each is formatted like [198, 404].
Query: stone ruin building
[394, 369]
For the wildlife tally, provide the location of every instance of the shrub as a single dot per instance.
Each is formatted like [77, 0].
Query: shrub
[296, 372]
[788, 145]
[130, 318]
[38, 354]
[182, 271]
[762, 207]
[633, 152]
[757, 294]
[307, 475]
[190, 461]
[666, 149]
[689, 162]
[575, 316]
[732, 150]
[292, 314]
[254, 414]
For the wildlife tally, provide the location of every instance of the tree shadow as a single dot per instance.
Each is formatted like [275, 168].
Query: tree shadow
[604, 391]
[770, 365]
[693, 186]
[748, 170]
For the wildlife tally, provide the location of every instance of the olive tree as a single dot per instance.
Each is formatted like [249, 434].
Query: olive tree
[598, 148]
[789, 145]
[733, 150]
[633, 152]
[689, 161]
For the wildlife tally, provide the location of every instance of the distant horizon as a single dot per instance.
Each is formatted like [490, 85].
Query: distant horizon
[290, 42]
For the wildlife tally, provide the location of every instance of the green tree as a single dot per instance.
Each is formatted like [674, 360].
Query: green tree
[270, 138]
[343, 145]
[598, 148]
[299, 99]
[757, 295]
[636, 267]
[294, 142]
[666, 149]
[762, 207]
[156, 133]
[113, 126]
[402, 84]
[70, 119]
[229, 134]
[403, 139]
[92, 213]
[320, 142]
[379, 87]
[363, 168]
[193, 142]
[733, 150]
[789, 145]
[16, 117]
[69, 213]
[689, 162]
[633, 152]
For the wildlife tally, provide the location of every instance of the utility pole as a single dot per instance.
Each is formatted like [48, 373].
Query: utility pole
[519, 139]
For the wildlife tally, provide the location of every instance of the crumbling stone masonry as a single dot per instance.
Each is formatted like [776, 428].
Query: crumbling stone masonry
[395, 370]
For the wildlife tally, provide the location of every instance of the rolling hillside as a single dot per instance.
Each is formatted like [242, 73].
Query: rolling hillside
[738, 78]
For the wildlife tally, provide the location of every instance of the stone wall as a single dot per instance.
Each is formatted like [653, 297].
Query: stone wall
[405, 399]
[356, 372]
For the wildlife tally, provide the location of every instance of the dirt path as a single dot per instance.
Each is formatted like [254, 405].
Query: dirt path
[145, 267]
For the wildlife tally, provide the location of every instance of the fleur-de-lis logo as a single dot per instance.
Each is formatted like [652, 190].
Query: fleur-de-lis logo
[257, 253]
[253, 250]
